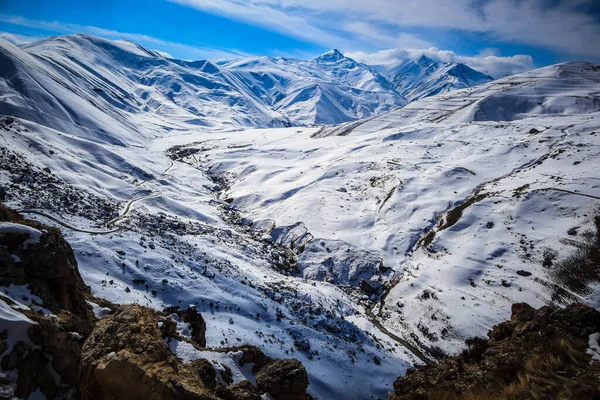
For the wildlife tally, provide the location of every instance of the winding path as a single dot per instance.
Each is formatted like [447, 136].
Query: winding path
[418, 353]
[66, 225]
[113, 222]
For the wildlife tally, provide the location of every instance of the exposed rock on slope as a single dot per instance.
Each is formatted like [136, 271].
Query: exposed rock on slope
[51, 342]
[47, 264]
[125, 358]
[538, 354]
[47, 357]
[291, 387]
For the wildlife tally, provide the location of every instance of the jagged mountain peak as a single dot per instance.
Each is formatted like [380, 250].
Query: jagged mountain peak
[333, 55]
[426, 61]
[425, 76]
[461, 70]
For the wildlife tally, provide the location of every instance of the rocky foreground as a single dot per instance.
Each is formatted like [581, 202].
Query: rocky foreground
[547, 353]
[58, 341]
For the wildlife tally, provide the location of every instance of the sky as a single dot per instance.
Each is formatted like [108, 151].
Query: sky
[499, 37]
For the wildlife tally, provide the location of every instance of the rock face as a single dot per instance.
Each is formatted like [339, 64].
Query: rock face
[47, 264]
[125, 358]
[73, 355]
[48, 267]
[283, 379]
[538, 354]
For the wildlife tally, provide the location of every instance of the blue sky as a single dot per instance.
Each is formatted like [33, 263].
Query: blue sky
[497, 36]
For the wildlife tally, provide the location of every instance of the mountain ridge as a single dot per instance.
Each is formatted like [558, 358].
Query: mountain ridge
[219, 95]
[426, 77]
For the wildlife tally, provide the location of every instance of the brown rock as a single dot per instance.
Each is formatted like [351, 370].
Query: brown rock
[49, 268]
[125, 358]
[240, 391]
[206, 372]
[283, 379]
[53, 335]
[538, 354]
[192, 317]
[253, 354]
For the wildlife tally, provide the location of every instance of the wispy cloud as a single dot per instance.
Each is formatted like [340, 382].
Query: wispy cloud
[164, 46]
[559, 25]
[18, 39]
[267, 14]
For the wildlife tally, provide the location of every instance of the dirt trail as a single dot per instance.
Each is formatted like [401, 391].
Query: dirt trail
[113, 222]
[416, 352]
[66, 225]
[127, 209]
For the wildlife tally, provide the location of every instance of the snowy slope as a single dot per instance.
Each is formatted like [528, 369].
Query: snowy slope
[355, 248]
[456, 193]
[147, 229]
[122, 78]
[424, 77]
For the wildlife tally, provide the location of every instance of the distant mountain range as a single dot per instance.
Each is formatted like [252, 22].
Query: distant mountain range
[250, 92]
[425, 77]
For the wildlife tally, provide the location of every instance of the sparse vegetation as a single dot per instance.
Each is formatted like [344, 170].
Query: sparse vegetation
[537, 355]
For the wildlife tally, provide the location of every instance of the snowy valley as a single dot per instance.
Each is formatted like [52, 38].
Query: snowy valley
[360, 222]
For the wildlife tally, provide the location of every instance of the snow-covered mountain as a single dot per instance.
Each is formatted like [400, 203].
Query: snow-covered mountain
[251, 92]
[254, 92]
[329, 89]
[361, 249]
[422, 77]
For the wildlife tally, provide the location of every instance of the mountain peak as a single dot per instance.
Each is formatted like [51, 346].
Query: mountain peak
[425, 61]
[331, 56]
[463, 70]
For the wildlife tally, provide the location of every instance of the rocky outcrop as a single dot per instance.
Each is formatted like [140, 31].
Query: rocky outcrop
[47, 265]
[125, 358]
[36, 255]
[72, 355]
[192, 316]
[538, 354]
[283, 379]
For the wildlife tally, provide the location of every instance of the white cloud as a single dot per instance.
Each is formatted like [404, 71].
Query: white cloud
[264, 13]
[486, 62]
[18, 39]
[184, 50]
[560, 25]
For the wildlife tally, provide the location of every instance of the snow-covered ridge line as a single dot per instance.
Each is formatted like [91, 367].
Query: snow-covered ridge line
[252, 92]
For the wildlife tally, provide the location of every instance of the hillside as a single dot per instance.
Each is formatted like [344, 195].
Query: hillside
[120, 78]
[360, 249]
[57, 342]
[547, 353]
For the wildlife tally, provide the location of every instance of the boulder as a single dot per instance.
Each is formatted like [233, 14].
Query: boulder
[283, 379]
[125, 358]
